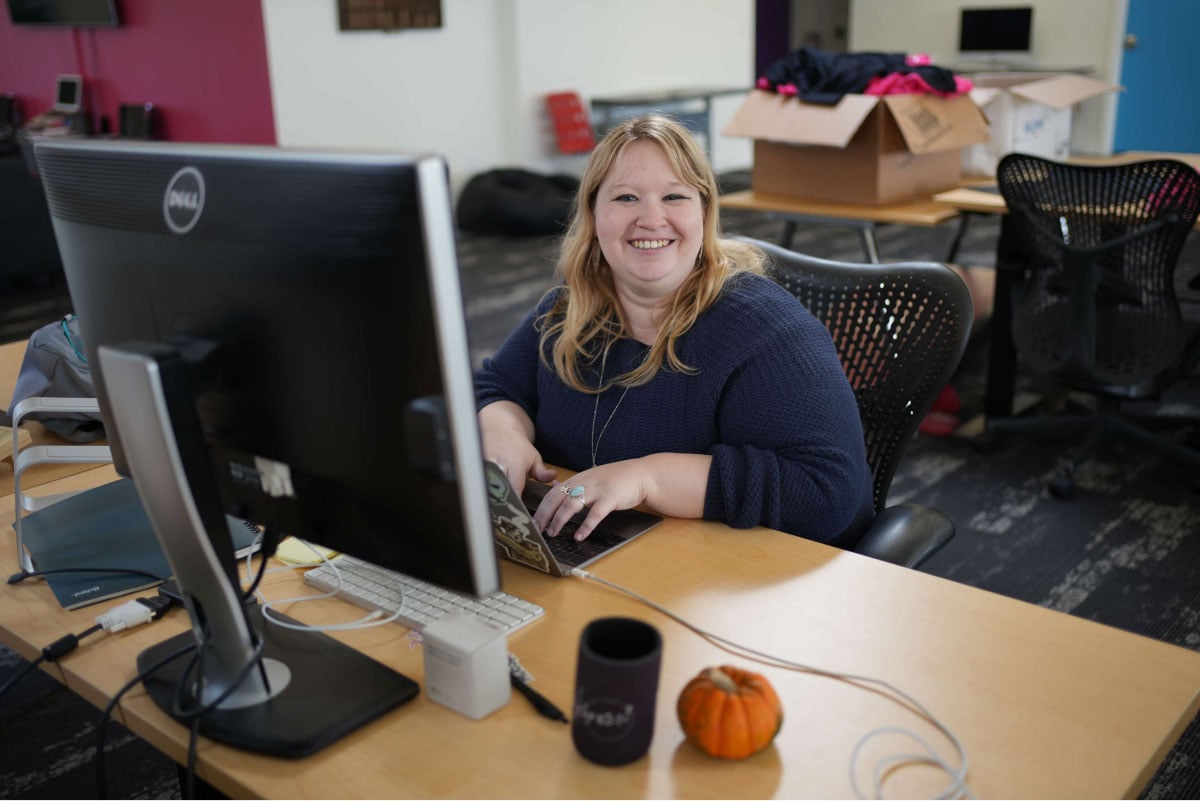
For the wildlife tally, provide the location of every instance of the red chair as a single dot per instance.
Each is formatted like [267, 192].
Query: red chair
[572, 127]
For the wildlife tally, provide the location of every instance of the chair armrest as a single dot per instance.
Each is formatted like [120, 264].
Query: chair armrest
[906, 534]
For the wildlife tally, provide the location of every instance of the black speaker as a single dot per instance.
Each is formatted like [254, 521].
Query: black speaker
[10, 111]
[137, 121]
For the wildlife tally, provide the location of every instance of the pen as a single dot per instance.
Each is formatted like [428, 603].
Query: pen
[543, 707]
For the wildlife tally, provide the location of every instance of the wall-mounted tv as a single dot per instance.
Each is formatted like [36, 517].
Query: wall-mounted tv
[995, 30]
[81, 13]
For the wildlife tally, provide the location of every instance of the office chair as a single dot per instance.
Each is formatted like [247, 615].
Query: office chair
[900, 330]
[1094, 306]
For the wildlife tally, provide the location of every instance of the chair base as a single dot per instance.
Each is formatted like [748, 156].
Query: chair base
[1098, 431]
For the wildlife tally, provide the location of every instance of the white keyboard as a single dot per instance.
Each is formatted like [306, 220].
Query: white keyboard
[375, 588]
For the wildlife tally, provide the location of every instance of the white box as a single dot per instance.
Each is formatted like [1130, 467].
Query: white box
[466, 666]
[1027, 113]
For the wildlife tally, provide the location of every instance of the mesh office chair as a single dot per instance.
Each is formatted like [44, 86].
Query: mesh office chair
[1094, 308]
[900, 330]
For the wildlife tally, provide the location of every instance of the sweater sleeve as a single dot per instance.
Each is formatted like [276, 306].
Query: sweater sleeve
[791, 454]
[511, 374]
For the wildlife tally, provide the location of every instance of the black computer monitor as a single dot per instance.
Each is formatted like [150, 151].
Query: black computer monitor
[998, 31]
[78, 13]
[277, 335]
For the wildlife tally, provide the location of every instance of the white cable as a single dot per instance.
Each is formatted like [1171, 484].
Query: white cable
[367, 621]
[956, 789]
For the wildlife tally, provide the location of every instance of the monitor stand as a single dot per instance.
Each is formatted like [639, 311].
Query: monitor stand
[333, 690]
[265, 688]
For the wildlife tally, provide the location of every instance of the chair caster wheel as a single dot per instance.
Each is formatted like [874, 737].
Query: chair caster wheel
[1062, 487]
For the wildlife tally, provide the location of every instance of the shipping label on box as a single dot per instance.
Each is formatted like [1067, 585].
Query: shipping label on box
[1028, 113]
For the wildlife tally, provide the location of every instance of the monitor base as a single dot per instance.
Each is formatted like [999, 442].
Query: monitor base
[333, 691]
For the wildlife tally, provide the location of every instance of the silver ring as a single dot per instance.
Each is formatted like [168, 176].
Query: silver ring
[571, 492]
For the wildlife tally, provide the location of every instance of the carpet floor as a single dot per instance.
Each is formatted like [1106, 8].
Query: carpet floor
[1125, 552]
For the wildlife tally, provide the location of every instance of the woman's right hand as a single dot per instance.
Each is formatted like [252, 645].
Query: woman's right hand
[507, 435]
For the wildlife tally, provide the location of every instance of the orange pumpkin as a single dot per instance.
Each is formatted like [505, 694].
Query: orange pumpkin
[729, 713]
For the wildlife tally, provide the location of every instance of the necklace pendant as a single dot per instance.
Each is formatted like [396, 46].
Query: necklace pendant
[595, 440]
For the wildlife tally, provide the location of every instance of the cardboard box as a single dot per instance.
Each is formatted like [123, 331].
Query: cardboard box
[1028, 113]
[866, 149]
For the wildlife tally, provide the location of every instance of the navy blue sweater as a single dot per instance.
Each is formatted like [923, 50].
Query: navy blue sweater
[770, 402]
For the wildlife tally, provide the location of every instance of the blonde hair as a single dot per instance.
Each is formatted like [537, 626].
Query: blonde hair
[586, 318]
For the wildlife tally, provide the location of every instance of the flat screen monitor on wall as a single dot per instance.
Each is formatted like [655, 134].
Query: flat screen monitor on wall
[83, 13]
[1000, 31]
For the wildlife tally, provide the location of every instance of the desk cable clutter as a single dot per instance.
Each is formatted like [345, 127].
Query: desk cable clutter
[886, 765]
[467, 666]
[127, 615]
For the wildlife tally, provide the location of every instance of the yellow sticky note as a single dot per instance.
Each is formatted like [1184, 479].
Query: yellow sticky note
[293, 551]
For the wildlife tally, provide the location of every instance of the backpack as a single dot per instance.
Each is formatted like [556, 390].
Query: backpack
[55, 367]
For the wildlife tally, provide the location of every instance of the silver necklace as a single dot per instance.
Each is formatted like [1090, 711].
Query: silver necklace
[596, 410]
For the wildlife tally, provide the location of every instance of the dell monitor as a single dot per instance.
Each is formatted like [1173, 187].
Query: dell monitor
[277, 335]
[995, 32]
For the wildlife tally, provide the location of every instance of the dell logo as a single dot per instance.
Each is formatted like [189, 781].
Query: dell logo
[183, 202]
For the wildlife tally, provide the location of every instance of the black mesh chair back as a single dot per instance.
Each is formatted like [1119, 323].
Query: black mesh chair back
[900, 330]
[1094, 251]
[1095, 305]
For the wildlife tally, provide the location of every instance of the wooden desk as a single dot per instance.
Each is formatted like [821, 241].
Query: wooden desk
[969, 198]
[865, 218]
[1047, 705]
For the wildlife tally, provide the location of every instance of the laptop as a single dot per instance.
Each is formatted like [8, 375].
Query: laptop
[518, 539]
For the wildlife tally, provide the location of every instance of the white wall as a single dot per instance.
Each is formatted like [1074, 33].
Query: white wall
[474, 89]
[1066, 33]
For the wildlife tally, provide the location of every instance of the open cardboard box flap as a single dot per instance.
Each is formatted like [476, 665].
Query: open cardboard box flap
[1057, 91]
[931, 124]
[927, 123]
[1063, 91]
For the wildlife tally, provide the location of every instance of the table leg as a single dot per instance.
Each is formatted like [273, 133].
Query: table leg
[1002, 354]
[963, 219]
[870, 247]
[786, 234]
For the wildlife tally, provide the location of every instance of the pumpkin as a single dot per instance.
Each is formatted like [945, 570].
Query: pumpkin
[729, 713]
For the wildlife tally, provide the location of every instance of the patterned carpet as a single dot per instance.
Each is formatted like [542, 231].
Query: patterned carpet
[1124, 552]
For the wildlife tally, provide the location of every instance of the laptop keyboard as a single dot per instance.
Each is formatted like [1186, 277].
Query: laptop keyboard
[569, 552]
[566, 550]
[375, 588]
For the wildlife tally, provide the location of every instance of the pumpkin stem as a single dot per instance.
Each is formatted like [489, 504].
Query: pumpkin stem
[722, 680]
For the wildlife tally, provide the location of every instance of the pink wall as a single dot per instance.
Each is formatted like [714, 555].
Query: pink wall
[202, 64]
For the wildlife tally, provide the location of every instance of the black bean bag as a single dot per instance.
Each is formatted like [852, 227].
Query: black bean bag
[516, 202]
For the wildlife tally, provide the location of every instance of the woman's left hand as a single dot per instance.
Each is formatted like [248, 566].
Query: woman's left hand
[599, 490]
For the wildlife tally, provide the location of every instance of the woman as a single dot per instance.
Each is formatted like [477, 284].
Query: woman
[668, 370]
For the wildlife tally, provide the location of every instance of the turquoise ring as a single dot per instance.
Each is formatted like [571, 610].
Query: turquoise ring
[571, 492]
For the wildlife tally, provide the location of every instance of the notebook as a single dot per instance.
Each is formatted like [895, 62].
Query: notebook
[104, 527]
[518, 539]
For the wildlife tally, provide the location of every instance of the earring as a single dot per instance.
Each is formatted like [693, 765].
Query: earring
[595, 258]
[700, 254]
